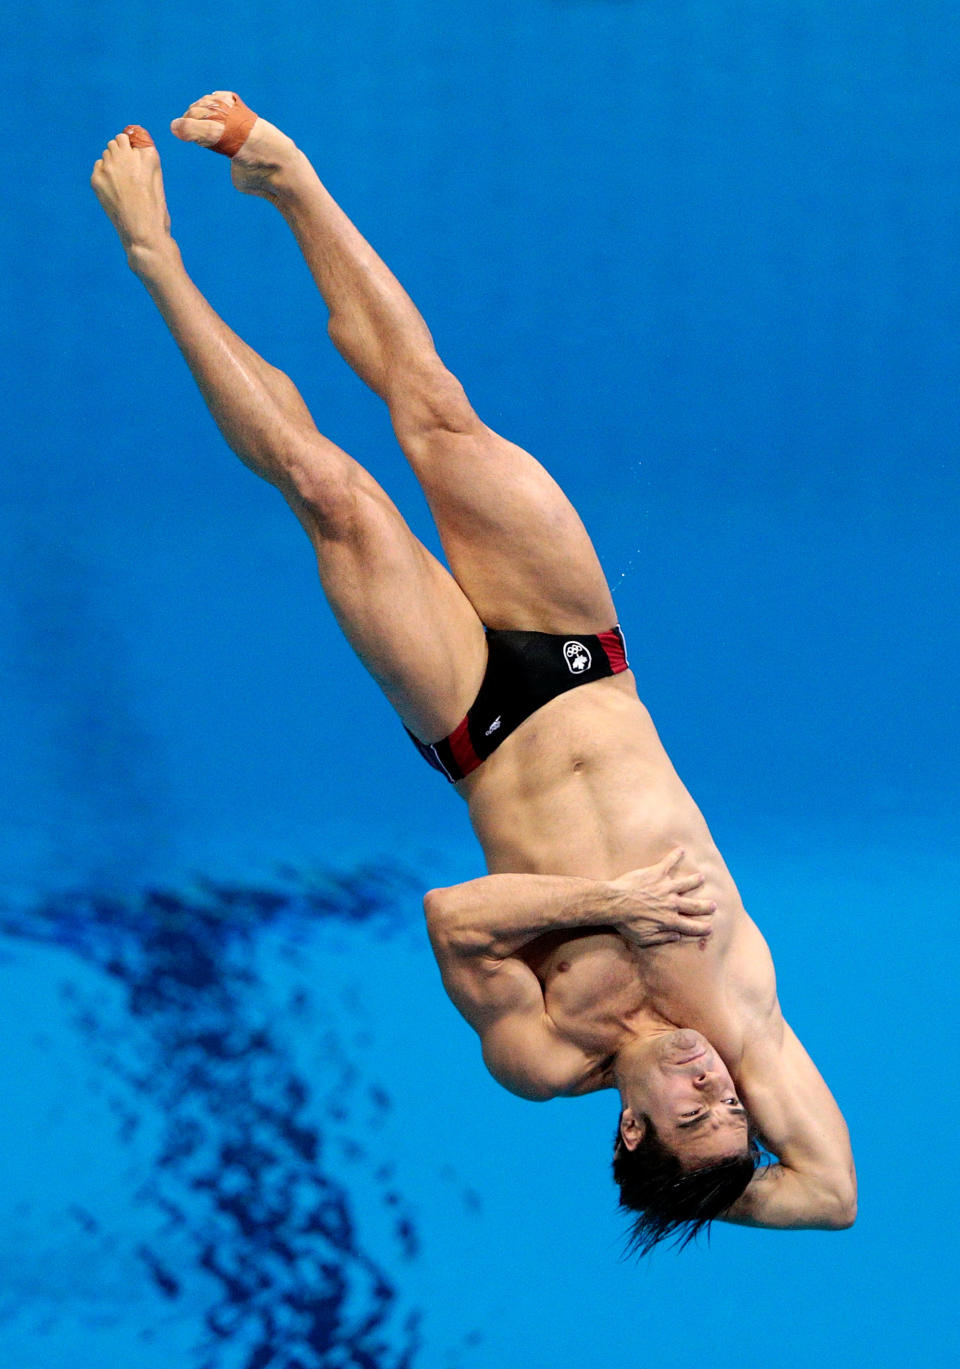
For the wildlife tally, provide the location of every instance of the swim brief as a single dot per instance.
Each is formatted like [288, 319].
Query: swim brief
[525, 670]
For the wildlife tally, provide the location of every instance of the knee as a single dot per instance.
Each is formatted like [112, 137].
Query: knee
[430, 403]
[325, 487]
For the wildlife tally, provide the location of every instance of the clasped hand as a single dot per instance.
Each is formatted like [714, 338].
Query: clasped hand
[654, 906]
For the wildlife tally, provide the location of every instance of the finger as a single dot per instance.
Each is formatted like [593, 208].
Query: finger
[687, 882]
[699, 930]
[671, 861]
[696, 907]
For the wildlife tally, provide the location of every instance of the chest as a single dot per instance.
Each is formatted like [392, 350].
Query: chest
[589, 981]
[595, 986]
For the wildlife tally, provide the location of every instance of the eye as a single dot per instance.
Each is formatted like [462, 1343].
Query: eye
[734, 1101]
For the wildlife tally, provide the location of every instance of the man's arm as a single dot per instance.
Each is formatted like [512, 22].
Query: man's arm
[788, 1199]
[475, 928]
[497, 914]
[814, 1184]
[500, 996]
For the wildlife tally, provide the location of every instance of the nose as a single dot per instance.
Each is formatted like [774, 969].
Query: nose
[706, 1081]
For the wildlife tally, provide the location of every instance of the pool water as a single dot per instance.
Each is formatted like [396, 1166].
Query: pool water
[700, 259]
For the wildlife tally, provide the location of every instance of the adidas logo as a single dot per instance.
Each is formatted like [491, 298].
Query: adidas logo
[493, 727]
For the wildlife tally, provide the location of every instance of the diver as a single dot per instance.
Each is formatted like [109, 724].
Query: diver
[607, 946]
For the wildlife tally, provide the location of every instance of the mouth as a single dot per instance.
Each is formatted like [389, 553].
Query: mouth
[688, 1059]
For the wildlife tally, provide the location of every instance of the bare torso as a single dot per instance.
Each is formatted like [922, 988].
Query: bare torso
[585, 787]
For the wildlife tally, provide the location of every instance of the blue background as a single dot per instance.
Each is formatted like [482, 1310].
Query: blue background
[699, 257]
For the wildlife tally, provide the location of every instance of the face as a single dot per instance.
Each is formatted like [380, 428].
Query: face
[679, 1082]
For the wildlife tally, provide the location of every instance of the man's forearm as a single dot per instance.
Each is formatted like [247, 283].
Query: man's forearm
[497, 914]
[780, 1197]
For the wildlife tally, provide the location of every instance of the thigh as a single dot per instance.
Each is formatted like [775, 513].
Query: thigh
[401, 610]
[515, 543]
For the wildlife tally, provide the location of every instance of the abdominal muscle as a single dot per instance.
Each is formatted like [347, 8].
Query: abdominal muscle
[584, 787]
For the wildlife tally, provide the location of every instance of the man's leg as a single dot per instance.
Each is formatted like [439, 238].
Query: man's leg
[403, 613]
[514, 542]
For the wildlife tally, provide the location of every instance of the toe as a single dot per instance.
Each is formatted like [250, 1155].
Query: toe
[208, 106]
[139, 137]
[206, 132]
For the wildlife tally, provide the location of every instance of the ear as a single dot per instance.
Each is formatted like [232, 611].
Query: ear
[633, 1128]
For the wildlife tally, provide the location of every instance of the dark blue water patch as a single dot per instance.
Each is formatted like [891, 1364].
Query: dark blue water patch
[240, 1195]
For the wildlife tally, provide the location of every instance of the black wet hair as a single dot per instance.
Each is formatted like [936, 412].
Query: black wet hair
[673, 1201]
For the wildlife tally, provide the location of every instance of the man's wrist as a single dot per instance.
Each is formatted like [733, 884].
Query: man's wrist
[610, 903]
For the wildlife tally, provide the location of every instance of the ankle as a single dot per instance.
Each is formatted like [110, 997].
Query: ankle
[292, 180]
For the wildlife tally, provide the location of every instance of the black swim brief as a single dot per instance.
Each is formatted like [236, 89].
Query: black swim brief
[525, 670]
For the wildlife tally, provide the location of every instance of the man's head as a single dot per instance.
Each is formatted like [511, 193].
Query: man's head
[684, 1151]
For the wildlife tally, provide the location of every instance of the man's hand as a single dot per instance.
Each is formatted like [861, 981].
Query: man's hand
[655, 905]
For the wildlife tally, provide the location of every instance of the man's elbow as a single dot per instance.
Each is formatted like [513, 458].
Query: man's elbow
[840, 1219]
[848, 1214]
[843, 1212]
[848, 1193]
[445, 918]
[436, 910]
[452, 925]
[433, 903]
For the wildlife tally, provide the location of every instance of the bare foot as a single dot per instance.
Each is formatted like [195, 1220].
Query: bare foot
[266, 158]
[129, 184]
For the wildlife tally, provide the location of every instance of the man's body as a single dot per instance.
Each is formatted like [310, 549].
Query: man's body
[576, 975]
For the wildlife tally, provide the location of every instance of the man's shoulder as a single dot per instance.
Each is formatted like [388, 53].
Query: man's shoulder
[529, 1058]
[751, 980]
